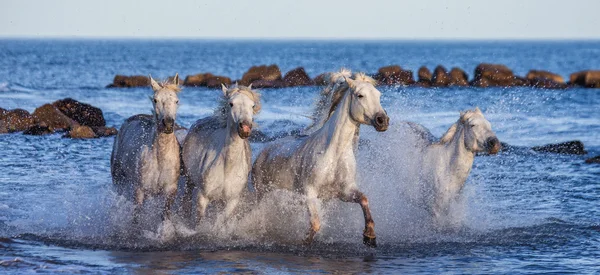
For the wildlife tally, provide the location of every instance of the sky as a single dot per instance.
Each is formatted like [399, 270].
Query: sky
[311, 19]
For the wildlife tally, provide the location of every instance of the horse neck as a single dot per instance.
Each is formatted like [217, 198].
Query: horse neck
[232, 140]
[164, 144]
[340, 130]
[461, 159]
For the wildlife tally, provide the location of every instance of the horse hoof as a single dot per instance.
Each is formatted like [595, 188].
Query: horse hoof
[370, 241]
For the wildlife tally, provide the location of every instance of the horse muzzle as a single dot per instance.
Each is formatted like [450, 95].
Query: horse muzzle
[492, 145]
[167, 125]
[244, 130]
[381, 122]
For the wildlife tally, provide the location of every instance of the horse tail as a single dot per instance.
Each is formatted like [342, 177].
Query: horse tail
[333, 82]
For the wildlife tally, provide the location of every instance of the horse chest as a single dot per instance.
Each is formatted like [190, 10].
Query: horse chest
[159, 168]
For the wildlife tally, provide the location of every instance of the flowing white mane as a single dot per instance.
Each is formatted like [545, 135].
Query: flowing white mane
[464, 117]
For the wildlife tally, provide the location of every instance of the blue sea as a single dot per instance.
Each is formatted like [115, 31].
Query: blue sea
[523, 211]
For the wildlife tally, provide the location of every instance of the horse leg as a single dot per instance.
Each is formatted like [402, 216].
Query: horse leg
[201, 208]
[315, 222]
[187, 197]
[139, 202]
[170, 198]
[230, 207]
[356, 196]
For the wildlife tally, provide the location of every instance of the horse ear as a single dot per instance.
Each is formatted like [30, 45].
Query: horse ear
[176, 79]
[250, 86]
[477, 110]
[224, 89]
[154, 84]
[350, 82]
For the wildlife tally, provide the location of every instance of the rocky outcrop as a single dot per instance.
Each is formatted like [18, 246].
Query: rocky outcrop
[493, 75]
[590, 79]
[297, 77]
[206, 80]
[320, 80]
[440, 77]
[15, 121]
[595, 159]
[263, 77]
[123, 81]
[424, 77]
[81, 132]
[82, 113]
[458, 77]
[545, 79]
[63, 115]
[394, 75]
[574, 147]
[50, 117]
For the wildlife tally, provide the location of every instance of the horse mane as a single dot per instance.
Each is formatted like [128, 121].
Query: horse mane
[332, 94]
[221, 111]
[464, 117]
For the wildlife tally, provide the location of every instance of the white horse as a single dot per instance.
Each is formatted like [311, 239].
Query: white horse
[322, 165]
[216, 152]
[446, 164]
[145, 159]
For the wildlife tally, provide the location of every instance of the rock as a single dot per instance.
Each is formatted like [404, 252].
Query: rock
[263, 83]
[51, 117]
[424, 74]
[297, 77]
[440, 77]
[81, 132]
[590, 79]
[537, 74]
[545, 79]
[84, 114]
[574, 147]
[267, 74]
[15, 121]
[207, 80]
[490, 75]
[123, 81]
[394, 75]
[458, 77]
[320, 80]
[39, 130]
[595, 159]
[104, 131]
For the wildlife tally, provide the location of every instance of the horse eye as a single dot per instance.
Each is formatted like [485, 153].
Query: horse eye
[177, 102]
[360, 96]
[230, 104]
[155, 101]
[473, 125]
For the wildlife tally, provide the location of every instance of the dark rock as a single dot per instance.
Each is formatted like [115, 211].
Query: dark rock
[39, 130]
[84, 114]
[394, 75]
[263, 83]
[545, 79]
[574, 147]
[458, 77]
[320, 79]
[521, 82]
[53, 118]
[123, 81]
[15, 121]
[493, 75]
[440, 77]
[297, 77]
[424, 74]
[590, 79]
[266, 74]
[207, 80]
[595, 159]
[81, 132]
[104, 131]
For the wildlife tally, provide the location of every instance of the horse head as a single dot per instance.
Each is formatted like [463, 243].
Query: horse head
[365, 105]
[242, 104]
[478, 134]
[165, 102]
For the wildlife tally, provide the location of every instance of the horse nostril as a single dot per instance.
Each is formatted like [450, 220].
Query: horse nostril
[380, 120]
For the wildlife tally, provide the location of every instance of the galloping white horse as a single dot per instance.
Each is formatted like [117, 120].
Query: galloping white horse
[145, 157]
[322, 165]
[447, 163]
[216, 152]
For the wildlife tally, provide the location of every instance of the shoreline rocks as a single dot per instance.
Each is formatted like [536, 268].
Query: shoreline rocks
[574, 147]
[485, 75]
[79, 120]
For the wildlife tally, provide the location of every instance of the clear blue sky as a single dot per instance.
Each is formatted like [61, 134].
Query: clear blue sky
[367, 19]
